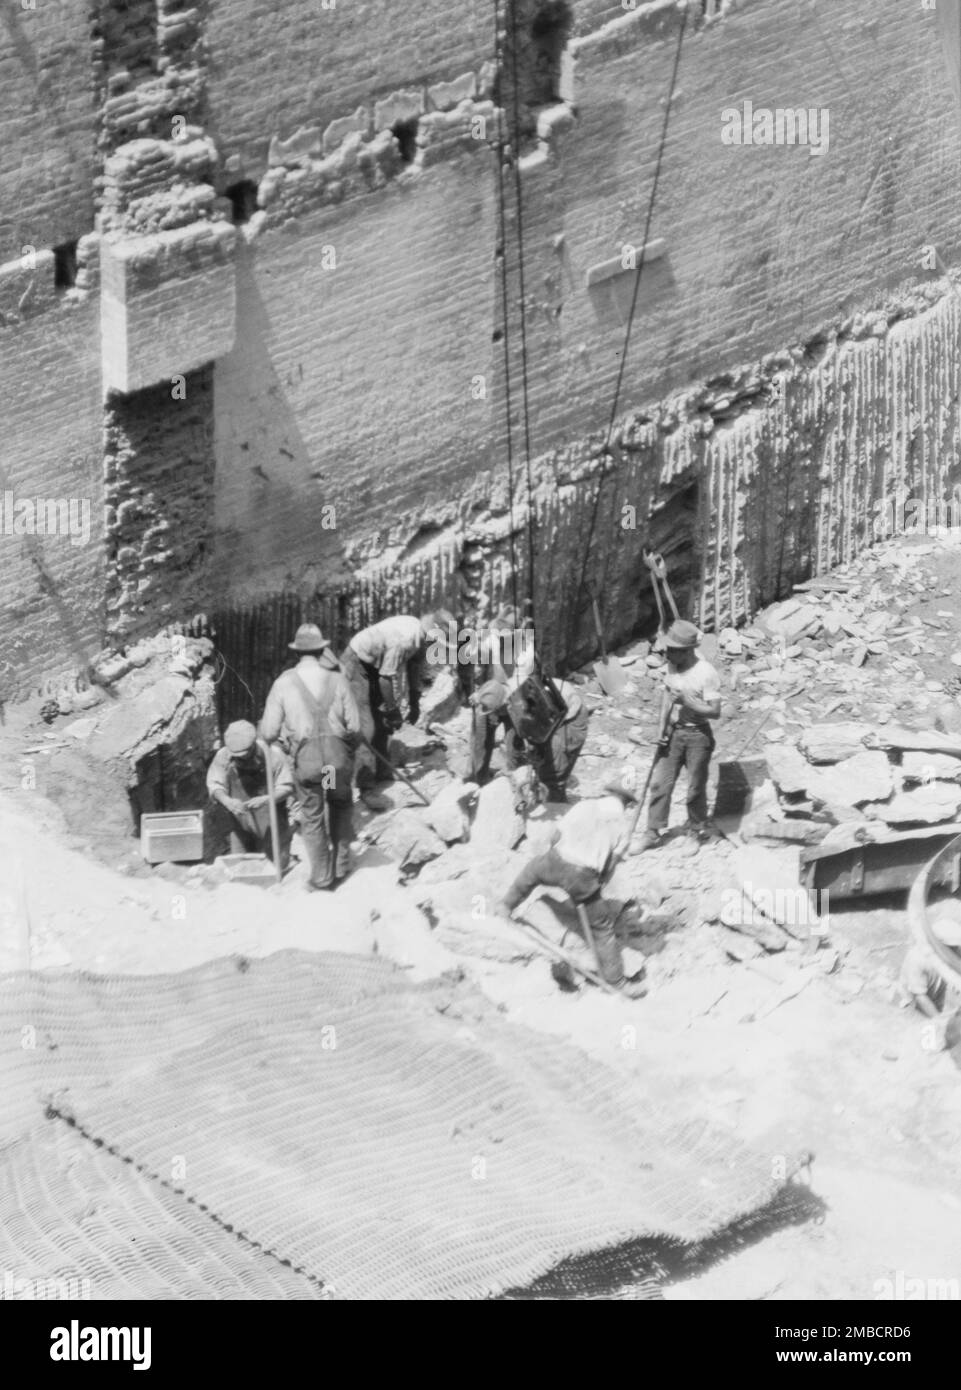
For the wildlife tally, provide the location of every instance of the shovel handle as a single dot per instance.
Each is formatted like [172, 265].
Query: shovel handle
[272, 811]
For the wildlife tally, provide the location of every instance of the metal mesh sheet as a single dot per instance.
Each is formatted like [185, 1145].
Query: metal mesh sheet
[310, 1126]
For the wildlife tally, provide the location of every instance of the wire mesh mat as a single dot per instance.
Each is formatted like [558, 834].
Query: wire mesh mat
[319, 1126]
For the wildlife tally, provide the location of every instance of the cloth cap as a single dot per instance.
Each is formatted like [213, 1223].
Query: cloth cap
[945, 919]
[240, 736]
[681, 634]
[490, 696]
[308, 638]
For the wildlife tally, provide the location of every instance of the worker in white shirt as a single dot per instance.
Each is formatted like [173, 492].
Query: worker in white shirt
[384, 665]
[591, 837]
[691, 701]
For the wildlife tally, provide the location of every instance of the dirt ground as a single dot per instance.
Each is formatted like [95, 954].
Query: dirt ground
[788, 1056]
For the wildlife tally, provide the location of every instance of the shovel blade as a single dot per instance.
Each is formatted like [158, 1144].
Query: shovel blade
[611, 675]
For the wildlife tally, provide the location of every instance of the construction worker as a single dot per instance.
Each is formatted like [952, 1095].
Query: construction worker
[590, 838]
[691, 700]
[237, 781]
[313, 710]
[384, 663]
[921, 981]
[504, 658]
[553, 760]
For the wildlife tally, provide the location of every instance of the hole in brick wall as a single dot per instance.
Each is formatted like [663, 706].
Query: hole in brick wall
[243, 200]
[549, 32]
[405, 133]
[65, 265]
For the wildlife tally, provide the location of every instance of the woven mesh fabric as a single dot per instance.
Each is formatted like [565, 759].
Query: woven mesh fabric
[308, 1126]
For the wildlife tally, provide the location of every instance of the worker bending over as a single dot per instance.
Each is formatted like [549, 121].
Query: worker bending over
[590, 838]
[385, 663]
[237, 781]
[691, 700]
[312, 709]
[922, 983]
[552, 759]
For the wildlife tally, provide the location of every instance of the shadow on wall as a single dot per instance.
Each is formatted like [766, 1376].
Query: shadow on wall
[276, 500]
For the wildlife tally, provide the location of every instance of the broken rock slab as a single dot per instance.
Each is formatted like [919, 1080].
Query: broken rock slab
[408, 840]
[926, 805]
[916, 766]
[497, 824]
[830, 743]
[449, 814]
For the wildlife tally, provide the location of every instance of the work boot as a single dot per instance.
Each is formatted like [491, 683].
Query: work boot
[705, 831]
[633, 988]
[374, 801]
[649, 840]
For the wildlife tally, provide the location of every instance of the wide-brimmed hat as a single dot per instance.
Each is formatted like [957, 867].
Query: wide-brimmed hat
[681, 634]
[308, 638]
[240, 736]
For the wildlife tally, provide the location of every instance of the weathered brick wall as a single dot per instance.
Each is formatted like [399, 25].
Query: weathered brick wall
[275, 68]
[158, 485]
[366, 373]
[51, 590]
[47, 126]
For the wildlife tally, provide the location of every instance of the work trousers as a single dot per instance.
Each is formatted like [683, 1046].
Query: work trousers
[326, 828]
[689, 746]
[365, 684]
[554, 760]
[249, 833]
[583, 886]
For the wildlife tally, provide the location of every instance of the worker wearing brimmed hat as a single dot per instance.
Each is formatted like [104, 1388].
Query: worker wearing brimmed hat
[312, 710]
[691, 700]
[387, 663]
[237, 781]
[590, 838]
[921, 980]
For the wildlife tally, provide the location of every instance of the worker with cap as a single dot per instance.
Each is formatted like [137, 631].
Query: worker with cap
[691, 700]
[553, 760]
[922, 982]
[237, 781]
[589, 840]
[503, 659]
[311, 708]
[386, 663]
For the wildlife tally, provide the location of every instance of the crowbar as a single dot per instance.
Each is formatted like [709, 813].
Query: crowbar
[394, 771]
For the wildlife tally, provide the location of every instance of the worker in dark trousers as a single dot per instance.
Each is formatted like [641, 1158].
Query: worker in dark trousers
[237, 782]
[590, 839]
[385, 665]
[503, 657]
[312, 709]
[691, 701]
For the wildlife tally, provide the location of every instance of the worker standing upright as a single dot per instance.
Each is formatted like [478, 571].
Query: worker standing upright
[312, 708]
[691, 701]
[384, 664]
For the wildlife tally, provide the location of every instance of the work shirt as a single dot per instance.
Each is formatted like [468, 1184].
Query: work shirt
[389, 645]
[702, 681]
[243, 781]
[290, 715]
[594, 831]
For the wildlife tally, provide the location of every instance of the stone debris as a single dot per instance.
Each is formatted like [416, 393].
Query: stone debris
[925, 805]
[405, 837]
[497, 824]
[921, 766]
[831, 743]
[448, 813]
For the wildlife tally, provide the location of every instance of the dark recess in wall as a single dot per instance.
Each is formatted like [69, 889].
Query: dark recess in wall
[243, 200]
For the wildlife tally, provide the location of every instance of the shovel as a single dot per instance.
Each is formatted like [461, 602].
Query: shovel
[272, 812]
[610, 674]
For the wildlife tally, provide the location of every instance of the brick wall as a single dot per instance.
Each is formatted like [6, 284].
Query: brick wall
[374, 383]
[274, 68]
[47, 125]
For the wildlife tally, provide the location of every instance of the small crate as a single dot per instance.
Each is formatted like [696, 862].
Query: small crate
[172, 836]
[247, 868]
